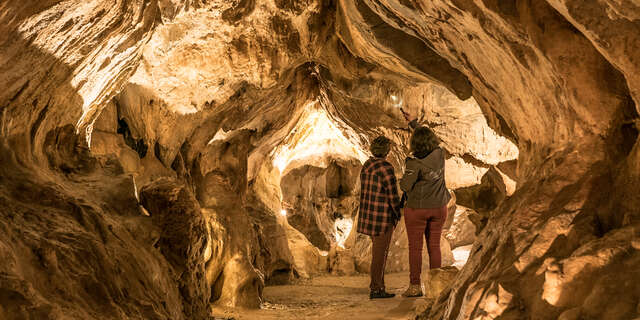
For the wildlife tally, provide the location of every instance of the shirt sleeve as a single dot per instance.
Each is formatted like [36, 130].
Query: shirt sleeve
[410, 176]
[391, 185]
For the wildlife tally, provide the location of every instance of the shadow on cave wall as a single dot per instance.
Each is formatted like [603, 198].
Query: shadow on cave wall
[72, 238]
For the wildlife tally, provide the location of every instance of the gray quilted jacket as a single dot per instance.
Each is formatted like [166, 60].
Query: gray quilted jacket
[423, 181]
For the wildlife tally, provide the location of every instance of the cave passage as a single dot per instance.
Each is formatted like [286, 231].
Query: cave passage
[316, 168]
[182, 159]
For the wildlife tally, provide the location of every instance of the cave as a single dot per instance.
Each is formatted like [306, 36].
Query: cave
[181, 159]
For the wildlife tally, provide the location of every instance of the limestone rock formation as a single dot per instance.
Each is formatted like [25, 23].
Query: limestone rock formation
[315, 198]
[435, 282]
[485, 197]
[143, 145]
[308, 259]
[438, 280]
[463, 230]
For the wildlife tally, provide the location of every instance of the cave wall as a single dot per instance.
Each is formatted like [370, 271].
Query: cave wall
[73, 243]
[569, 124]
[570, 110]
[315, 197]
[557, 78]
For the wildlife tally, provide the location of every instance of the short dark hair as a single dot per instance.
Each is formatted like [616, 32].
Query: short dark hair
[423, 142]
[380, 146]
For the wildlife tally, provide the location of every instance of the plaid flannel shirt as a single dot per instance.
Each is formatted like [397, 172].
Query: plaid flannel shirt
[379, 199]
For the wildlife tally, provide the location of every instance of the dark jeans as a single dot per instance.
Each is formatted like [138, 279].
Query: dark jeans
[379, 252]
[425, 223]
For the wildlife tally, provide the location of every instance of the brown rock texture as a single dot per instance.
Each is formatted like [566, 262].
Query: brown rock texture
[316, 197]
[143, 145]
[462, 231]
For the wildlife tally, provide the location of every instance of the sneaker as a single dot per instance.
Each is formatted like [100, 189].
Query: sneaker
[381, 294]
[414, 290]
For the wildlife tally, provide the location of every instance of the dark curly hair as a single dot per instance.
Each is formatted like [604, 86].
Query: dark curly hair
[423, 142]
[380, 146]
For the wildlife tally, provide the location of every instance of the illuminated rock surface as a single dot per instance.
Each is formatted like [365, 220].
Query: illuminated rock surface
[144, 145]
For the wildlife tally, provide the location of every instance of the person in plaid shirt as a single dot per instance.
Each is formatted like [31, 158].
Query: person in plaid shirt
[379, 211]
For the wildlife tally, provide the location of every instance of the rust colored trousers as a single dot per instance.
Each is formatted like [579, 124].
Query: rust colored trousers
[425, 223]
[379, 252]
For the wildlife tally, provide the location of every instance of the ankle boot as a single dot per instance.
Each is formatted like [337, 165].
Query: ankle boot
[414, 290]
[380, 294]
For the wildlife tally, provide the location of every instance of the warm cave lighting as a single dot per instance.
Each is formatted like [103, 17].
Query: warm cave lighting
[135, 189]
[342, 229]
[283, 212]
[395, 101]
[316, 136]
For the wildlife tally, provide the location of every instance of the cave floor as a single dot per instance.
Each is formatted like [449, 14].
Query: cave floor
[330, 297]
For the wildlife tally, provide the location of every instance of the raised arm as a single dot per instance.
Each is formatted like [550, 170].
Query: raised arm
[413, 122]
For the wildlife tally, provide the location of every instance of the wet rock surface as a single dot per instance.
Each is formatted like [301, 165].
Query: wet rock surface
[142, 146]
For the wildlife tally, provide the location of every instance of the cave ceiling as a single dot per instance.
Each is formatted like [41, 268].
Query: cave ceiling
[117, 115]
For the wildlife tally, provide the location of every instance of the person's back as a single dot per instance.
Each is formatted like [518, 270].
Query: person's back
[376, 214]
[426, 207]
[424, 181]
[379, 211]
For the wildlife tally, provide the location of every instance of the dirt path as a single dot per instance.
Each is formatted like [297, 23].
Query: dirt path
[330, 297]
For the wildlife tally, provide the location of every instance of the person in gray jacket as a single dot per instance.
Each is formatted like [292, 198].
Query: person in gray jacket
[426, 205]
